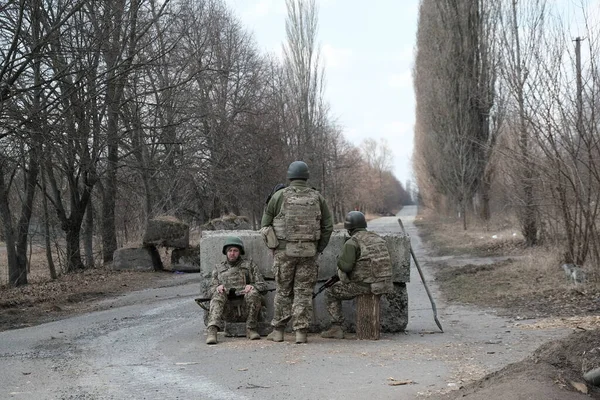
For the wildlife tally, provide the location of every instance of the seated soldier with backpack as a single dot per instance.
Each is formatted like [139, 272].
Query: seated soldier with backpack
[364, 267]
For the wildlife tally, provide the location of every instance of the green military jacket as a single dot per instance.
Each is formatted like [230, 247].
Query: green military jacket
[350, 253]
[274, 207]
[365, 259]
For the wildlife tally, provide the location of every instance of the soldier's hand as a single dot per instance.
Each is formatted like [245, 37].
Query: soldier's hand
[248, 289]
[221, 289]
[343, 276]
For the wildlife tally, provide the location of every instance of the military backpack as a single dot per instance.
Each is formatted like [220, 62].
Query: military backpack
[299, 221]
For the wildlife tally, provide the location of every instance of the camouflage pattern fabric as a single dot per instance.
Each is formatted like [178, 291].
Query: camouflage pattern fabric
[342, 291]
[276, 203]
[299, 218]
[374, 263]
[295, 278]
[222, 308]
[236, 275]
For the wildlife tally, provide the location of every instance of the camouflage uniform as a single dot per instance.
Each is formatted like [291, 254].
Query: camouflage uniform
[364, 267]
[236, 275]
[303, 225]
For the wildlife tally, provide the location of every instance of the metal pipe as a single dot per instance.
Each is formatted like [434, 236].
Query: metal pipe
[433, 307]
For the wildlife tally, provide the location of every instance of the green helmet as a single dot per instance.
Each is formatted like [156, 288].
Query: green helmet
[355, 219]
[298, 170]
[233, 241]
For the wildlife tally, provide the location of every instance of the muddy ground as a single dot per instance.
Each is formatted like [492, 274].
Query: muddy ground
[520, 283]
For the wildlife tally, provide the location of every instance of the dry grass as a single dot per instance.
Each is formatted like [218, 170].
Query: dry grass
[447, 237]
[38, 272]
[42, 289]
[528, 283]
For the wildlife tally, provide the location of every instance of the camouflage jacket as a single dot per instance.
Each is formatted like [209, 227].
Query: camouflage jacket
[274, 207]
[237, 275]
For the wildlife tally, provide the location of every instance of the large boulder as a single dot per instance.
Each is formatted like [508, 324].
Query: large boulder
[168, 232]
[228, 223]
[137, 259]
[186, 260]
[394, 306]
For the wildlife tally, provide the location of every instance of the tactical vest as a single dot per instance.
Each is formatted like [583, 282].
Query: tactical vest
[299, 221]
[236, 276]
[374, 265]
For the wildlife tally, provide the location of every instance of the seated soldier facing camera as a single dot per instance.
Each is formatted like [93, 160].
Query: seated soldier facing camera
[241, 277]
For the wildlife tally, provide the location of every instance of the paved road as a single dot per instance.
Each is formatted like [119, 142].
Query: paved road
[150, 345]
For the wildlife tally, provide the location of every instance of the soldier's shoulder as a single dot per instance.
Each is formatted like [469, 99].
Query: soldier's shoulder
[277, 195]
[221, 265]
[351, 241]
[247, 262]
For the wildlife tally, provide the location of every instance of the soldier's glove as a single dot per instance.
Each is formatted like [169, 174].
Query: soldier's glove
[343, 276]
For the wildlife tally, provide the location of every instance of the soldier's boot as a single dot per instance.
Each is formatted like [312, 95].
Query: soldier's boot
[211, 335]
[276, 335]
[301, 336]
[252, 334]
[335, 332]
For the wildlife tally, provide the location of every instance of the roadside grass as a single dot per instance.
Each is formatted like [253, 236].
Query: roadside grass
[529, 282]
[446, 236]
[70, 288]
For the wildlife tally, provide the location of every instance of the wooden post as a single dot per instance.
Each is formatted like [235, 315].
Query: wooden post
[367, 317]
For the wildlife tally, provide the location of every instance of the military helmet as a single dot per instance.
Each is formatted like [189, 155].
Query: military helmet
[298, 170]
[233, 241]
[355, 219]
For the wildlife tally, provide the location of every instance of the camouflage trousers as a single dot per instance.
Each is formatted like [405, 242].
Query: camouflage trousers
[221, 307]
[342, 291]
[295, 278]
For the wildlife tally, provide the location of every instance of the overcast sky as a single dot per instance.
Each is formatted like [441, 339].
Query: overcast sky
[368, 52]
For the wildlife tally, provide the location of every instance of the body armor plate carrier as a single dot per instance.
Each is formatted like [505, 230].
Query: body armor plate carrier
[374, 265]
[299, 221]
[234, 276]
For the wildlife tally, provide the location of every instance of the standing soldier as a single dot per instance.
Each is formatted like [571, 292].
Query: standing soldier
[364, 267]
[302, 224]
[243, 277]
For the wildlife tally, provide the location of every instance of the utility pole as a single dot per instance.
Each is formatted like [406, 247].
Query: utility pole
[579, 88]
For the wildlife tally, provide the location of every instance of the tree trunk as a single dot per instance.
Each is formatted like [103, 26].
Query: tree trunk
[73, 249]
[51, 266]
[88, 236]
[109, 234]
[463, 208]
[31, 178]
[528, 222]
[484, 195]
[368, 325]
[14, 276]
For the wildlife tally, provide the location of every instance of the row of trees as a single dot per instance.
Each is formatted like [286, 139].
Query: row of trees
[116, 111]
[507, 117]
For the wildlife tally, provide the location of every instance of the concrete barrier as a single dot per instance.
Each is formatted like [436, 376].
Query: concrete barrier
[394, 312]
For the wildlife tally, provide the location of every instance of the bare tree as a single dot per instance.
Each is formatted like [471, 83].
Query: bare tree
[26, 33]
[522, 26]
[454, 85]
[305, 82]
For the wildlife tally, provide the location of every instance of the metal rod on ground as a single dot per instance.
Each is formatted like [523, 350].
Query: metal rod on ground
[433, 307]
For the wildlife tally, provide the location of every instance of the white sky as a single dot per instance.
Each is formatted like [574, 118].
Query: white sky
[368, 50]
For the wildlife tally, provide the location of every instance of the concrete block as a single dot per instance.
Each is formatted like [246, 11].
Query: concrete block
[186, 260]
[137, 259]
[211, 245]
[167, 231]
